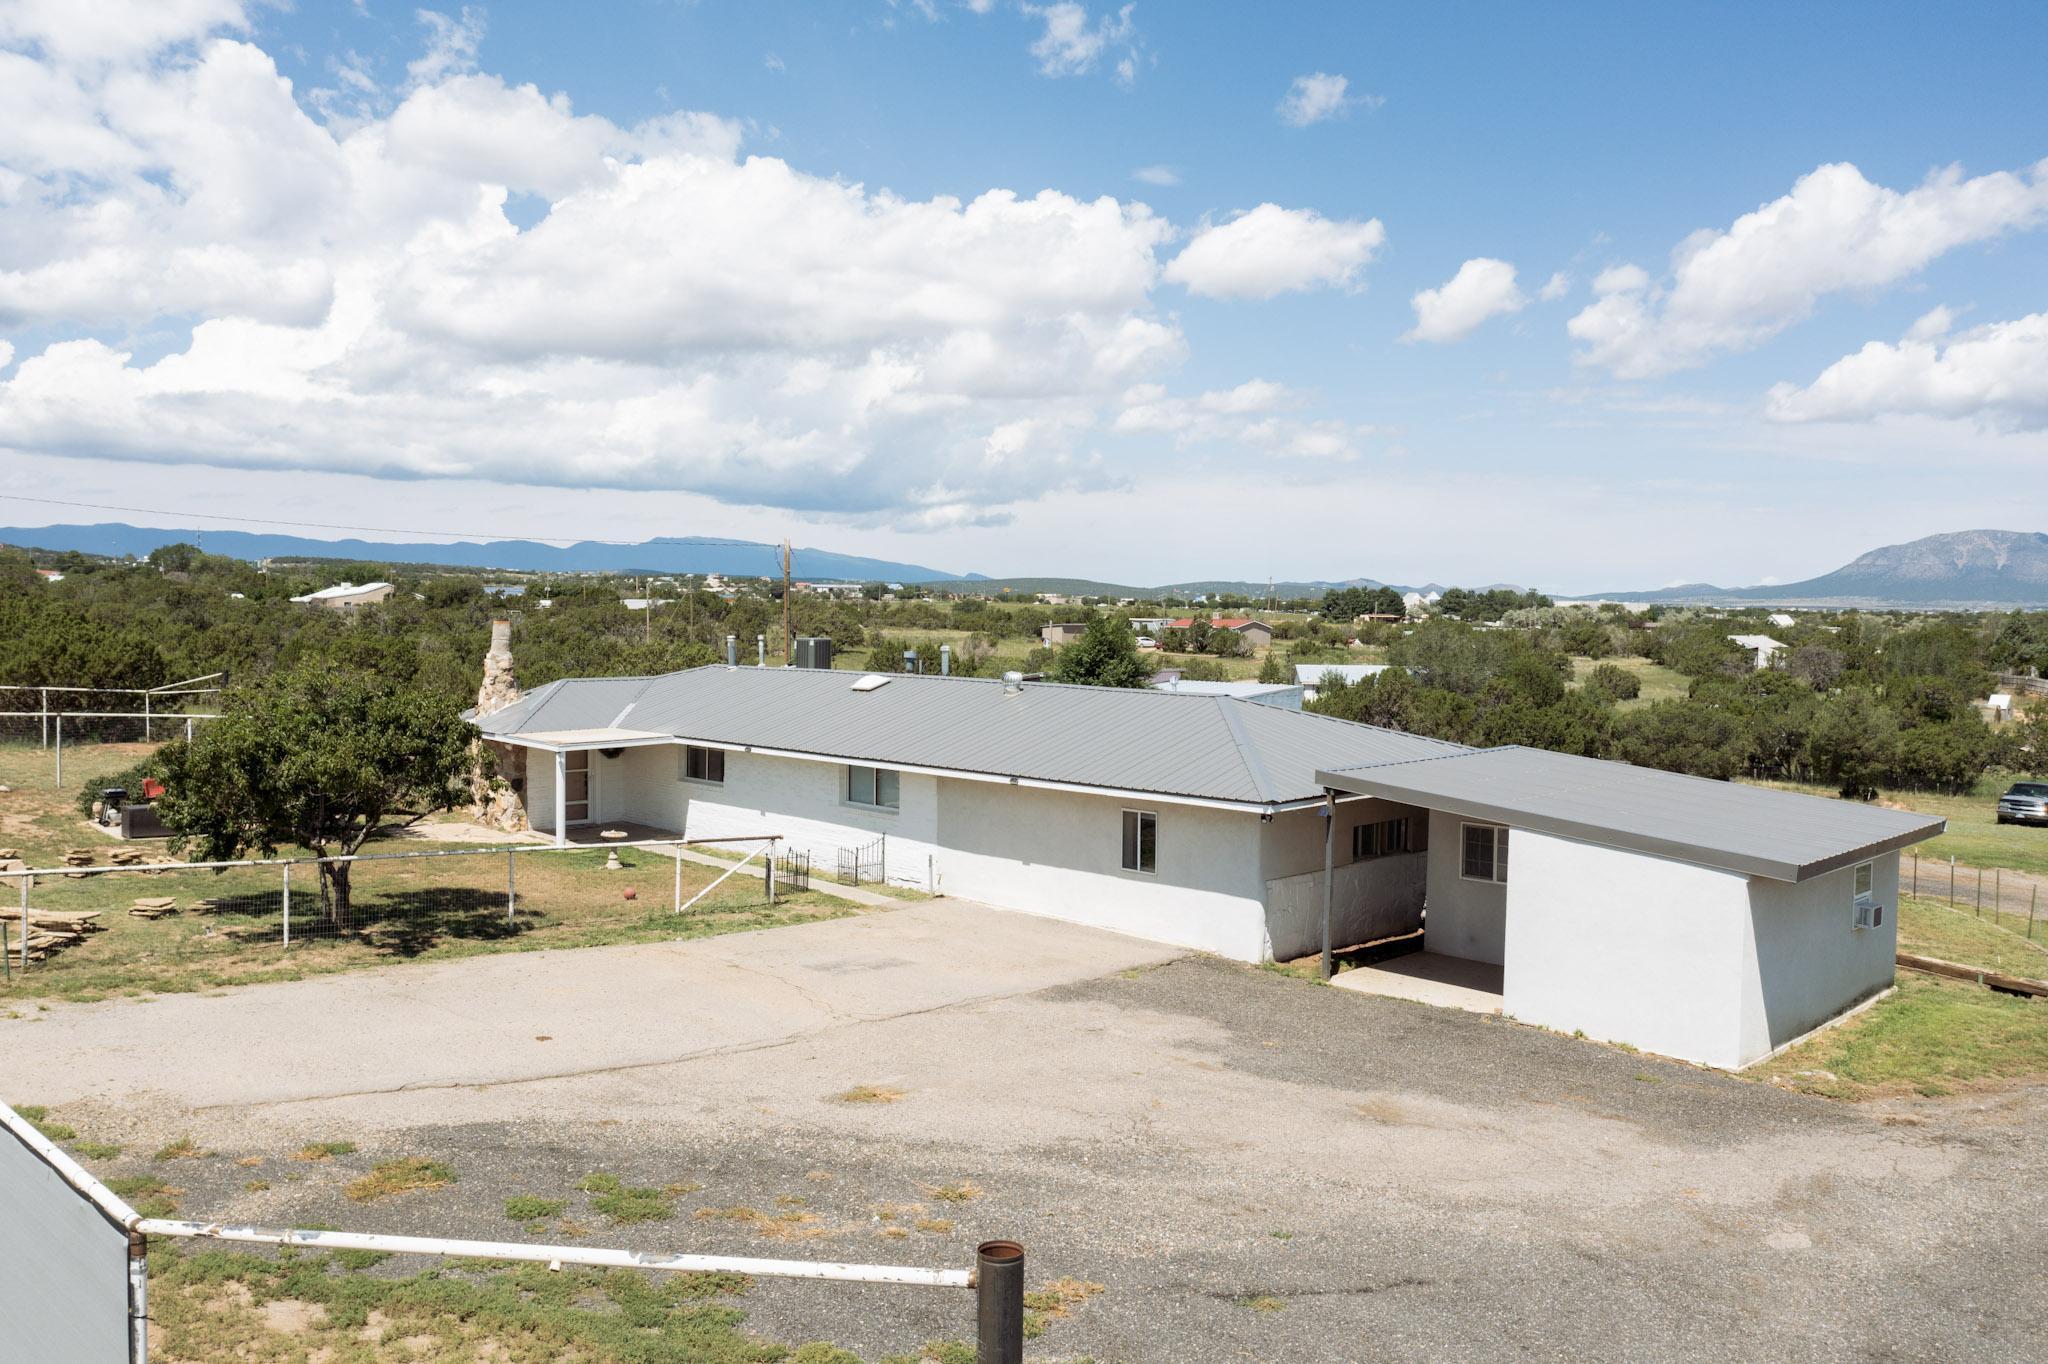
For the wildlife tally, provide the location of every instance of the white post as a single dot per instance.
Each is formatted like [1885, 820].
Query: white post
[771, 876]
[679, 877]
[1329, 870]
[46, 716]
[24, 920]
[188, 731]
[145, 717]
[511, 886]
[561, 798]
[60, 752]
[287, 904]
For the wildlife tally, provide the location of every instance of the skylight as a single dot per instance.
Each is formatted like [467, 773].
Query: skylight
[871, 682]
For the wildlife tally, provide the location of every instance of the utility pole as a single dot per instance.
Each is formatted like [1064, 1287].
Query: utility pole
[788, 645]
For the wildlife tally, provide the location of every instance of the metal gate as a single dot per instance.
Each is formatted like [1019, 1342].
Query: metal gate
[862, 864]
[793, 870]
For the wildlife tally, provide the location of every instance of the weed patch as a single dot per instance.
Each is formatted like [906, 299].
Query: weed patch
[147, 1194]
[184, 1148]
[870, 1094]
[324, 1150]
[407, 1174]
[528, 1208]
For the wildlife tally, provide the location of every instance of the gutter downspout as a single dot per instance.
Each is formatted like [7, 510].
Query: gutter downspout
[1329, 871]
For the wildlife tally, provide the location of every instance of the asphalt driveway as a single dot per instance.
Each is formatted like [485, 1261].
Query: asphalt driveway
[1253, 1167]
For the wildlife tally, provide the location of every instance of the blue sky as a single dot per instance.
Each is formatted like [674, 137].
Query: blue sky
[1191, 345]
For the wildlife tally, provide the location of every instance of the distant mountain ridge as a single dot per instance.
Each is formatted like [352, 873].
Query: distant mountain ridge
[682, 554]
[1959, 569]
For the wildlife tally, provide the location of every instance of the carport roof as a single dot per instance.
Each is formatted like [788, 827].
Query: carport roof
[1196, 748]
[1753, 830]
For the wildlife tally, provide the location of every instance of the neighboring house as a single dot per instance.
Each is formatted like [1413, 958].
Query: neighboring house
[1310, 676]
[1052, 635]
[1762, 648]
[346, 596]
[1783, 620]
[1259, 693]
[643, 603]
[1257, 634]
[1706, 920]
[1996, 709]
[1150, 625]
[49, 575]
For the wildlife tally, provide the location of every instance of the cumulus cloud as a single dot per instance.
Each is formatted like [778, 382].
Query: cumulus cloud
[1273, 250]
[661, 311]
[1482, 288]
[1996, 374]
[1071, 45]
[1156, 175]
[452, 43]
[1319, 96]
[1733, 290]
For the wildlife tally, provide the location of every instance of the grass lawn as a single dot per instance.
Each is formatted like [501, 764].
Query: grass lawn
[1930, 928]
[430, 909]
[1975, 837]
[1659, 682]
[212, 1304]
[1932, 1036]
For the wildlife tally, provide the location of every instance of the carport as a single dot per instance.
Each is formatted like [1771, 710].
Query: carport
[1701, 919]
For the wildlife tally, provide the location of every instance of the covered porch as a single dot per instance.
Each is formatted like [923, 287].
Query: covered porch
[575, 787]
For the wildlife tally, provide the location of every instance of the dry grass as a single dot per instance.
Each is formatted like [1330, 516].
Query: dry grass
[324, 1150]
[407, 1174]
[871, 1094]
[184, 1148]
[963, 1191]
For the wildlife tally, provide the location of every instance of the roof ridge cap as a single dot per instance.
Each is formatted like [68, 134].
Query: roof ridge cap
[1246, 752]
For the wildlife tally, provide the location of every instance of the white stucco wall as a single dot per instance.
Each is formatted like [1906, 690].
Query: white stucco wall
[1627, 948]
[1059, 853]
[1378, 898]
[1466, 919]
[1807, 959]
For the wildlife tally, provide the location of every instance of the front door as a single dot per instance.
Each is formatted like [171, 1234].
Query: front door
[576, 787]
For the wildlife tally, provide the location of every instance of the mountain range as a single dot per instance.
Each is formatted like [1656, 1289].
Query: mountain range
[1961, 569]
[682, 554]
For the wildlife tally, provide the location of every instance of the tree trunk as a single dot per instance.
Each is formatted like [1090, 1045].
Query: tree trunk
[334, 893]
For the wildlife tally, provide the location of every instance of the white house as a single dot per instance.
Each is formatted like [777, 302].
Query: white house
[1782, 619]
[1207, 821]
[1762, 648]
[347, 596]
[1311, 676]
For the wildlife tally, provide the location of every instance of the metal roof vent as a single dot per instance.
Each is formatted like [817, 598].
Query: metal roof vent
[871, 682]
[1013, 682]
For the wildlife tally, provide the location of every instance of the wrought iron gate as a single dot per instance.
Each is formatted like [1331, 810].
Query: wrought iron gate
[793, 871]
[862, 864]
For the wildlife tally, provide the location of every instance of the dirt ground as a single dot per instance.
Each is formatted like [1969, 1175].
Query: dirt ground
[1254, 1167]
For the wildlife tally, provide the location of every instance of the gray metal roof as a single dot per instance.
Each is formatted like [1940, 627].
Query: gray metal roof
[1749, 829]
[1203, 747]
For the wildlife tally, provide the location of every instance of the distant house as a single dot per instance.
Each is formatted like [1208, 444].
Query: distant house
[1150, 625]
[1763, 649]
[1782, 620]
[1256, 633]
[1311, 676]
[49, 575]
[346, 596]
[1053, 635]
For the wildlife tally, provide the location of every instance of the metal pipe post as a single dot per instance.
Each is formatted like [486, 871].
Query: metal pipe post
[46, 717]
[679, 878]
[145, 717]
[1997, 892]
[138, 1298]
[287, 904]
[1916, 874]
[1951, 878]
[999, 1302]
[25, 881]
[511, 886]
[771, 875]
[6, 956]
[1329, 871]
[60, 752]
[1980, 892]
[2033, 900]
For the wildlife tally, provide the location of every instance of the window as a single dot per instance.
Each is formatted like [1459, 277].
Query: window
[1141, 841]
[876, 786]
[703, 764]
[1378, 840]
[1486, 853]
[1869, 913]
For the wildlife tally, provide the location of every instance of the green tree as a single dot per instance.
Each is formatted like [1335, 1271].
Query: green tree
[1273, 670]
[1615, 682]
[1682, 736]
[1106, 655]
[319, 759]
[1853, 743]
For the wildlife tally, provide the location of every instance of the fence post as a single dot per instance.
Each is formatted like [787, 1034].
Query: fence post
[287, 904]
[1951, 879]
[1916, 876]
[2033, 901]
[6, 959]
[1980, 892]
[679, 876]
[999, 1302]
[145, 717]
[771, 874]
[1997, 892]
[26, 881]
[511, 886]
[45, 713]
[60, 753]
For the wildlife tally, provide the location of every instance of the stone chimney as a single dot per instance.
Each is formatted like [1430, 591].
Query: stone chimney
[500, 688]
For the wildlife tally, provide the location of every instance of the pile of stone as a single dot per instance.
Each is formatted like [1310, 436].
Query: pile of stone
[51, 929]
[126, 857]
[154, 906]
[79, 857]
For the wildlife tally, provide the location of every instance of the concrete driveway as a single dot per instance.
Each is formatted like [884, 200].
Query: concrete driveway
[1254, 1167]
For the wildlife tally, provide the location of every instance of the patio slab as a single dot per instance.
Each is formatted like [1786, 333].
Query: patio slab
[1426, 978]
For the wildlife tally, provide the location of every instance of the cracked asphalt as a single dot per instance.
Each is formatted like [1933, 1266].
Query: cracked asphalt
[1253, 1167]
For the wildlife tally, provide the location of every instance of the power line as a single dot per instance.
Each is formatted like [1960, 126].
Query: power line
[393, 530]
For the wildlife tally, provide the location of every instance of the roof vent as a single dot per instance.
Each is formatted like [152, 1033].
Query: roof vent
[871, 682]
[1013, 682]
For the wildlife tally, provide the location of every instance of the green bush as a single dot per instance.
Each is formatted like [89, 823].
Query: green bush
[1613, 680]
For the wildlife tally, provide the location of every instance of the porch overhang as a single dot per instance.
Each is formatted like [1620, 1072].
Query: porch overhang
[575, 740]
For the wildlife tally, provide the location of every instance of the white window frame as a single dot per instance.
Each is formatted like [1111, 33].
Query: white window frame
[689, 751]
[1135, 847]
[850, 790]
[1497, 854]
[1370, 841]
[1864, 908]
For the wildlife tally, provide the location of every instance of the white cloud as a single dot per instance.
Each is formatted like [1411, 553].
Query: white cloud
[1070, 45]
[1156, 175]
[773, 63]
[6, 354]
[1273, 250]
[1319, 96]
[1733, 290]
[1995, 374]
[112, 32]
[1556, 287]
[452, 44]
[1482, 288]
[1252, 416]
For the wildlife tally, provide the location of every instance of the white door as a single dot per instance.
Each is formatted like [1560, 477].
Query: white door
[576, 787]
